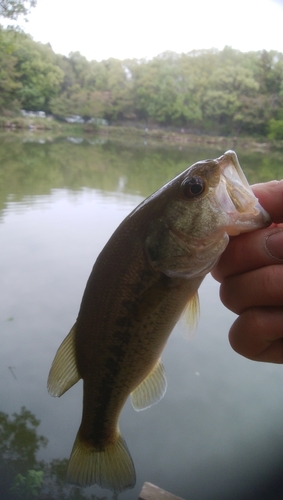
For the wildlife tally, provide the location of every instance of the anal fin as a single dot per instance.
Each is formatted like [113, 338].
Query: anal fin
[64, 373]
[152, 388]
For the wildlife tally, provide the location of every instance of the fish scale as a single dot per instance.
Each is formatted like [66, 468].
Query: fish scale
[142, 281]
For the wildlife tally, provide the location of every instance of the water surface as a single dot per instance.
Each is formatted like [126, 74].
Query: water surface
[218, 432]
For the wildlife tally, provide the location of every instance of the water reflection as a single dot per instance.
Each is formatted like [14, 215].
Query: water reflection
[35, 168]
[22, 475]
[217, 434]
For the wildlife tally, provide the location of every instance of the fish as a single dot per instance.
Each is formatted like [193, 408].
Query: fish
[143, 280]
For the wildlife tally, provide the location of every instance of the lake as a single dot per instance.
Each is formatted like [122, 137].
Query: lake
[218, 433]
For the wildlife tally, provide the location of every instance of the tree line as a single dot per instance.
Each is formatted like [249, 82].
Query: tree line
[225, 92]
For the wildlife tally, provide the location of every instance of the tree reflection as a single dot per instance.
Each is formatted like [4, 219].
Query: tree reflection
[22, 476]
[32, 169]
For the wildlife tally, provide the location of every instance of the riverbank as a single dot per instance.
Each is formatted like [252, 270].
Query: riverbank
[164, 135]
[185, 138]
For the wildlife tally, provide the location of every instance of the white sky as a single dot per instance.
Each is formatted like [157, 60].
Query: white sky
[100, 29]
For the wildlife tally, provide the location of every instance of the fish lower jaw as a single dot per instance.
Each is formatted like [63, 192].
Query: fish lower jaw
[235, 230]
[244, 226]
[254, 218]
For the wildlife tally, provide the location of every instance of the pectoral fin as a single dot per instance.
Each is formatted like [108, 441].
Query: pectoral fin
[191, 314]
[151, 390]
[63, 373]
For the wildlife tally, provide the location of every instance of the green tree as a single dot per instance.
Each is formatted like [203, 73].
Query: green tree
[79, 101]
[155, 85]
[275, 129]
[223, 101]
[39, 76]
[80, 67]
[227, 92]
[9, 84]
[114, 79]
[12, 9]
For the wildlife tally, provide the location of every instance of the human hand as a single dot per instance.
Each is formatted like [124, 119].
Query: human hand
[251, 275]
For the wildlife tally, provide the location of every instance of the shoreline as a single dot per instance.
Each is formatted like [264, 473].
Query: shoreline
[151, 134]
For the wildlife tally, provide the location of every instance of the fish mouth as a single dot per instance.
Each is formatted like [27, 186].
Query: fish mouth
[243, 210]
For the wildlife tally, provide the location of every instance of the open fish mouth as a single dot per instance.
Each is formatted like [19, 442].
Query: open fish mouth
[236, 198]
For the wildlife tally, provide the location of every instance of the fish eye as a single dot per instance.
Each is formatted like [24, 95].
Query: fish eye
[193, 187]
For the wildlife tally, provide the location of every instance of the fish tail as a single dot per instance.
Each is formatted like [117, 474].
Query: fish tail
[111, 468]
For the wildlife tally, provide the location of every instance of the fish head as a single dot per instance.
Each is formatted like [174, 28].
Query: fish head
[198, 211]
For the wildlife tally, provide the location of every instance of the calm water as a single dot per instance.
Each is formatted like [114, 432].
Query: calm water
[218, 433]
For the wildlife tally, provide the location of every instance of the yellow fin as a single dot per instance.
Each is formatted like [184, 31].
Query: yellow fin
[63, 373]
[152, 388]
[191, 314]
[111, 468]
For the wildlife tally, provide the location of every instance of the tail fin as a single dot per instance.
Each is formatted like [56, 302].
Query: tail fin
[111, 468]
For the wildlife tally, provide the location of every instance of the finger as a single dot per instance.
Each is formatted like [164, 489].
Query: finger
[262, 287]
[250, 251]
[270, 195]
[257, 334]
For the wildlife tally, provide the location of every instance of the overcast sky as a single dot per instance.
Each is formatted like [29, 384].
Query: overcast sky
[100, 29]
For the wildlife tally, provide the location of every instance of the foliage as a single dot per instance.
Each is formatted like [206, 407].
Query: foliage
[9, 83]
[29, 76]
[275, 129]
[77, 101]
[39, 76]
[12, 9]
[225, 92]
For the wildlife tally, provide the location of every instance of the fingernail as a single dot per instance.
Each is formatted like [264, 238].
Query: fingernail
[274, 244]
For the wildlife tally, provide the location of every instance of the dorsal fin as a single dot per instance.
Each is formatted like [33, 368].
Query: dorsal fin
[152, 388]
[64, 373]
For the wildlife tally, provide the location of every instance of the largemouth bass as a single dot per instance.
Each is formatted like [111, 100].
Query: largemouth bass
[144, 278]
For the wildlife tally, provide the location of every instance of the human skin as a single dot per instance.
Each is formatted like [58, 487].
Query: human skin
[250, 272]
